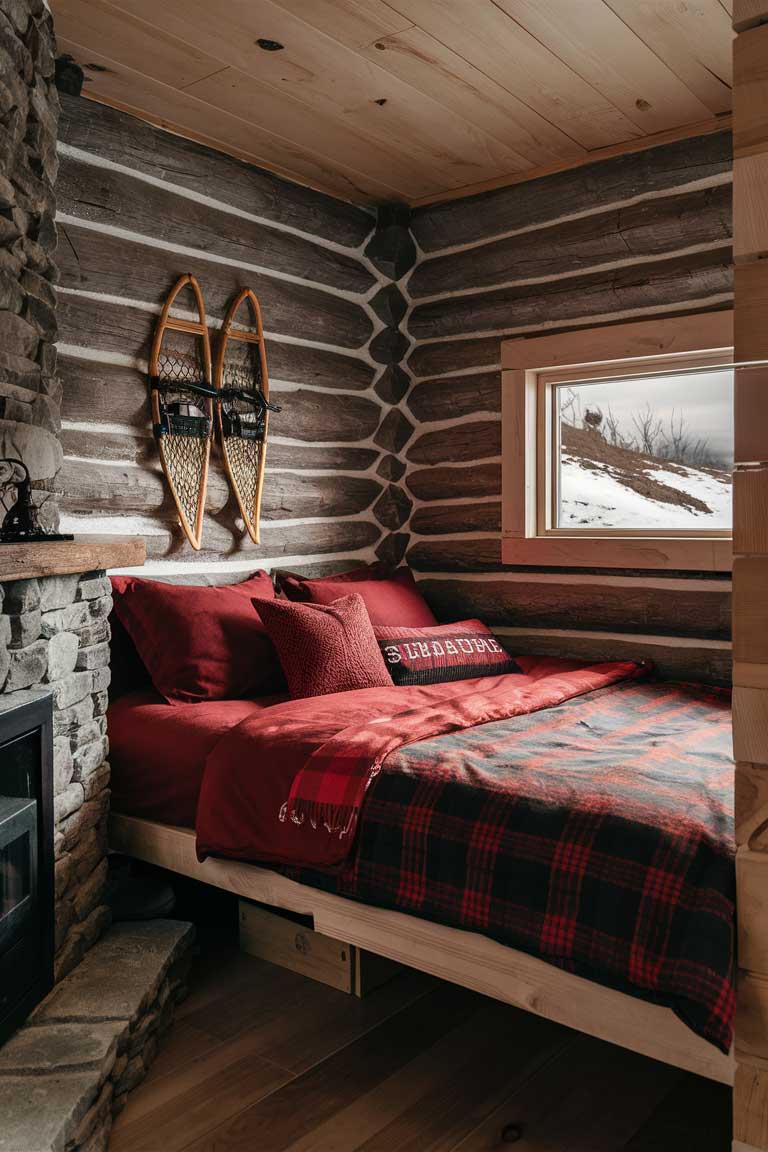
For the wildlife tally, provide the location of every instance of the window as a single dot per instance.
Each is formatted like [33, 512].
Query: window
[618, 446]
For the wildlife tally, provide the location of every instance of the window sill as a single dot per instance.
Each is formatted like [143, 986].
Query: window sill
[700, 554]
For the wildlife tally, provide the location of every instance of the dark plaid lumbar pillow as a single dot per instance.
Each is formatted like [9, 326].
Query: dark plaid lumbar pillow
[448, 652]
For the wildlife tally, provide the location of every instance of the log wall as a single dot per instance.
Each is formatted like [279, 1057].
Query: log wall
[137, 207]
[642, 235]
[750, 571]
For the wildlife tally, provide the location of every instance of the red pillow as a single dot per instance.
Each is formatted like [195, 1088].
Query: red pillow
[394, 600]
[449, 652]
[200, 643]
[324, 648]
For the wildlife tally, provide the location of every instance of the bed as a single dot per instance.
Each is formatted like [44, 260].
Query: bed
[561, 840]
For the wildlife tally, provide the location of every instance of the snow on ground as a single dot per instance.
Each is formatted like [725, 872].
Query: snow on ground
[594, 497]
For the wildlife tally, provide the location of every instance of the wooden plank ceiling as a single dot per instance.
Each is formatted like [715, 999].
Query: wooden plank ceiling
[409, 100]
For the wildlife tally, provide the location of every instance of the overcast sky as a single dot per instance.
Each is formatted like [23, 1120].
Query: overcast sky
[705, 400]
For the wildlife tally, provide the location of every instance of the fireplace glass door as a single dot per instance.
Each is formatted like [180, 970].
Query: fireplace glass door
[26, 843]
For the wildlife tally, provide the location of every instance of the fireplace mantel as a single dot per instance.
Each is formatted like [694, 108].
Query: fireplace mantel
[63, 557]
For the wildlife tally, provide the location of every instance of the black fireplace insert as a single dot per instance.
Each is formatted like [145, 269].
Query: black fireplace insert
[26, 856]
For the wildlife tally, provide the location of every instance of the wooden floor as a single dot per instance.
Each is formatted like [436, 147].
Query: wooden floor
[262, 1060]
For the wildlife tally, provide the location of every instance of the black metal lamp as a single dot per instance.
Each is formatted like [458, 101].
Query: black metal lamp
[21, 522]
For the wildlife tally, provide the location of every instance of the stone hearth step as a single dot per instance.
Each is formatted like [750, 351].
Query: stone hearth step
[68, 1070]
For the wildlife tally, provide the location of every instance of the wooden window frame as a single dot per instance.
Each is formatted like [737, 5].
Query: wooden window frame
[529, 369]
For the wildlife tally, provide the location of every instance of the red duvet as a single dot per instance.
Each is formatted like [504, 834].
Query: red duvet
[287, 783]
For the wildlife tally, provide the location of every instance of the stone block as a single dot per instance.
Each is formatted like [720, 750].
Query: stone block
[95, 633]
[58, 1048]
[41, 1112]
[40, 450]
[63, 766]
[100, 701]
[62, 655]
[92, 729]
[67, 720]
[101, 679]
[27, 666]
[92, 1133]
[81, 821]
[21, 596]
[72, 689]
[89, 758]
[121, 978]
[87, 854]
[62, 875]
[66, 619]
[69, 801]
[93, 656]
[98, 780]
[57, 592]
[91, 587]
[25, 628]
[78, 941]
[90, 894]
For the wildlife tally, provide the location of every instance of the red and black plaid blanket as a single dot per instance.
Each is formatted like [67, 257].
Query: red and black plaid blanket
[595, 833]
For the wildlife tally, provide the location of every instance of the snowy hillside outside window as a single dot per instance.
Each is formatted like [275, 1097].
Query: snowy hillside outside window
[617, 445]
[644, 453]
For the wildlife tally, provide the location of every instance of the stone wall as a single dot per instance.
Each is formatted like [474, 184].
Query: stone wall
[30, 392]
[54, 635]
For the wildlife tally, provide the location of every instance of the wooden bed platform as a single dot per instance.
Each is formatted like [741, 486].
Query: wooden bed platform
[464, 958]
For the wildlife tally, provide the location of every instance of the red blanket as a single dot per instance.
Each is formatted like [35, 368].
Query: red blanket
[286, 785]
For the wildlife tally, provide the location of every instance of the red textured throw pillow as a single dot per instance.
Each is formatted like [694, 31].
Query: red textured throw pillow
[393, 600]
[449, 652]
[200, 643]
[324, 647]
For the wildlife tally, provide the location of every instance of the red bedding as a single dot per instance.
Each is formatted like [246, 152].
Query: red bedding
[322, 754]
[569, 811]
[158, 751]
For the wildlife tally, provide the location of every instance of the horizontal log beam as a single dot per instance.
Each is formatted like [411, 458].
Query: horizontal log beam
[461, 442]
[583, 189]
[138, 448]
[107, 327]
[650, 228]
[443, 482]
[91, 486]
[166, 541]
[121, 138]
[113, 266]
[653, 285]
[453, 396]
[448, 519]
[615, 606]
[451, 355]
[699, 660]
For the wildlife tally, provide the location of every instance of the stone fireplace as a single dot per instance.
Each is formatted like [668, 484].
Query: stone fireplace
[68, 1069]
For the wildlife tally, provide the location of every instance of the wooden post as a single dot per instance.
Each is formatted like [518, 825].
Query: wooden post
[750, 570]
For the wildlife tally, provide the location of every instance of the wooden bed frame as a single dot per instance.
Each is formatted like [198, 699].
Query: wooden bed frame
[464, 958]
